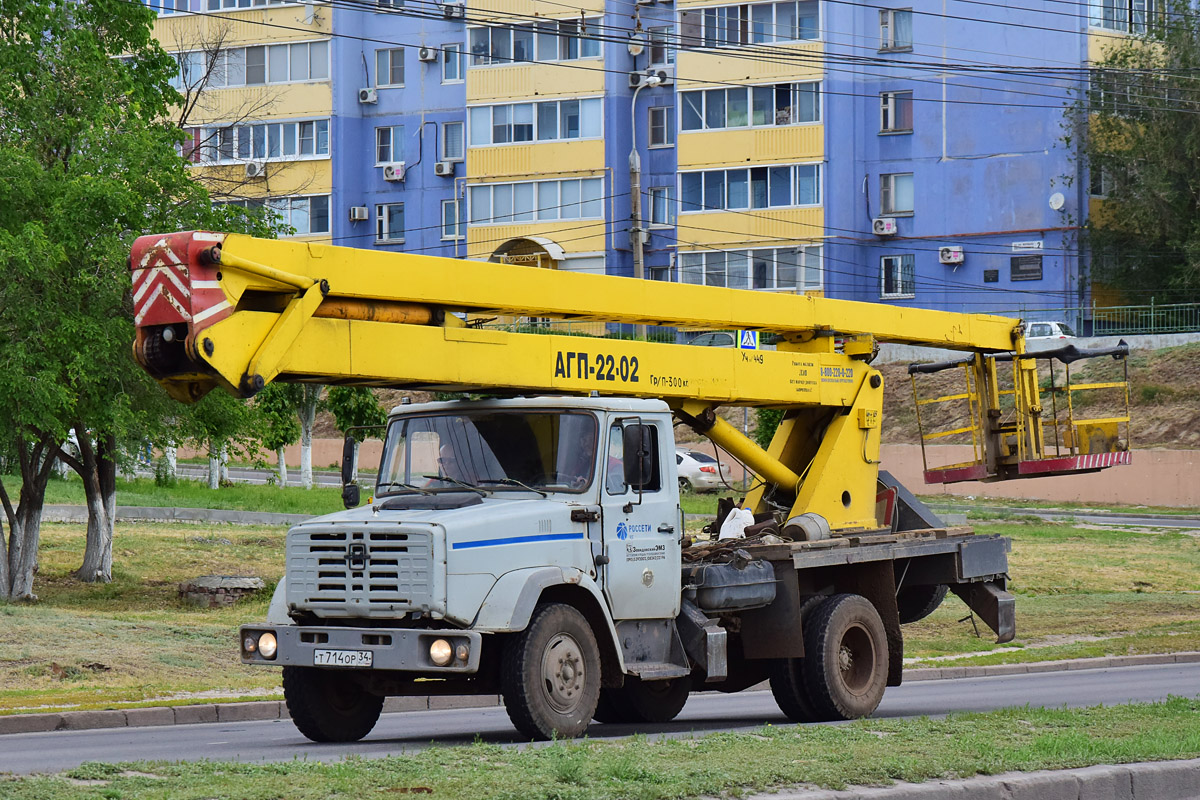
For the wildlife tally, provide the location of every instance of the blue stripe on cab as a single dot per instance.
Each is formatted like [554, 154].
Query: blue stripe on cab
[540, 537]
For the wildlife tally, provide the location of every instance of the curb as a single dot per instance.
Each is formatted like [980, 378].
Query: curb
[1161, 780]
[276, 709]
[79, 514]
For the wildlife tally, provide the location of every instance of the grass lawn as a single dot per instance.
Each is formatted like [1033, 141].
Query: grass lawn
[866, 752]
[1079, 593]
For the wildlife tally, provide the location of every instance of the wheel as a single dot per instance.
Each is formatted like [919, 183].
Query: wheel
[611, 708]
[845, 658]
[791, 695]
[550, 676]
[329, 706]
[685, 485]
[656, 701]
[918, 602]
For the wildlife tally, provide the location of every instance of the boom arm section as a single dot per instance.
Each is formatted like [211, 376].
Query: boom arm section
[236, 312]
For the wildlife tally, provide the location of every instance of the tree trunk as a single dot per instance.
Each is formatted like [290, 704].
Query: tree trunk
[214, 468]
[25, 520]
[224, 472]
[281, 455]
[354, 464]
[100, 492]
[308, 418]
[172, 460]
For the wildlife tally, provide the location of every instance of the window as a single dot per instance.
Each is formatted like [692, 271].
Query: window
[384, 5]
[662, 132]
[452, 141]
[896, 193]
[748, 188]
[895, 29]
[502, 203]
[895, 112]
[389, 222]
[552, 40]
[308, 215]
[226, 5]
[1099, 182]
[896, 276]
[790, 269]
[389, 67]
[755, 106]
[452, 62]
[389, 144]
[274, 141]
[454, 219]
[167, 6]
[761, 23]
[525, 122]
[1128, 16]
[662, 206]
[662, 46]
[253, 66]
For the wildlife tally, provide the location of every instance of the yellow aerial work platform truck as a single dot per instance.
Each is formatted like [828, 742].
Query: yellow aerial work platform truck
[532, 544]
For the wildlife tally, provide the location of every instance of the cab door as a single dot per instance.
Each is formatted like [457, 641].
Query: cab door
[640, 519]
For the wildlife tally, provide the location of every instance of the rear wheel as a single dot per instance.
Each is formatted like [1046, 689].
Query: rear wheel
[550, 676]
[329, 706]
[685, 485]
[845, 661]
[656, 701]
[791, 695]
[918, 602]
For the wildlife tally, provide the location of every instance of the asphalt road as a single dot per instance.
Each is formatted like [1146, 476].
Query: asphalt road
[278, 740]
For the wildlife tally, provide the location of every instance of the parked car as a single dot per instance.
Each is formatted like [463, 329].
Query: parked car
[1048, 335]
[715, 339]
[700, 472]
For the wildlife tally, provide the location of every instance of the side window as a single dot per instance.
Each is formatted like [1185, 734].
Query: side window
[614, 481]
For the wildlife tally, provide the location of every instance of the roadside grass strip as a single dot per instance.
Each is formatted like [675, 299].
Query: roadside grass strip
[868, 752]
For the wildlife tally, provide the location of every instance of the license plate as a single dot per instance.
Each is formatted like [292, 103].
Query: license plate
[342, 658]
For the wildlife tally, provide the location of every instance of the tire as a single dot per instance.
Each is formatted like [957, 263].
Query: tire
[846, 658]
[329, 706]
[550, 675]
[685, 485]
[918, 602]
[791, 695]
[611, 708]
[655, 701]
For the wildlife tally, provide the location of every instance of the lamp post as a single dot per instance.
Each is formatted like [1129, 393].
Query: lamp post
[635, 190]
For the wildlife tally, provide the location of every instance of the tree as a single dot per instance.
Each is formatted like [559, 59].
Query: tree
[355, 407]
[310, 403]
[1138, 129]
[277, 405]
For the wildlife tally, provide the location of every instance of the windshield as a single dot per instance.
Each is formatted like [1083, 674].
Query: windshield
[492, 450]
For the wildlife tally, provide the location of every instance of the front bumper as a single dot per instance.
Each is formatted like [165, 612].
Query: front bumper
[400, 649]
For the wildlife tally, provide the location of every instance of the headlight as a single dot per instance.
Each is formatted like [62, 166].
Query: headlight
[440, 652]
[461, 652]
[250, 644]
[267, 645]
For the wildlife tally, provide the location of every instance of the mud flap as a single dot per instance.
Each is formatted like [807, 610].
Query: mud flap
[995, 606]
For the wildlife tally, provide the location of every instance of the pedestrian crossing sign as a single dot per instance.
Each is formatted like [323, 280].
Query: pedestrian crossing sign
[748, 340]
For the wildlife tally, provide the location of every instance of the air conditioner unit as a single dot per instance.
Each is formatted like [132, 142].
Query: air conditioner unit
[635, 79]
[444, 168]
[884, 226]
[427, 54]
[368, 96]
[256, 169]
[454, 9]
[394, 172]
[950, 255]
[665, 74]
[358, 213]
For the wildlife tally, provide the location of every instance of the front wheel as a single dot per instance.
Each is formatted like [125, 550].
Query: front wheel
[845, 658]
[329, 706]
[550, 676]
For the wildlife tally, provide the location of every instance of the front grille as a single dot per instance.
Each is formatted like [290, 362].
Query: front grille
[360, 573]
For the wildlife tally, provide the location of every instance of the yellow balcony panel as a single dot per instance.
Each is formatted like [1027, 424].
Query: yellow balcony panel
[546, 160]
[763, 227]
[239, 28]
[259, 103]
[535, 81]
[775, 145]
[282, 179]
[486, 9]
[797, 61]
[572, 235]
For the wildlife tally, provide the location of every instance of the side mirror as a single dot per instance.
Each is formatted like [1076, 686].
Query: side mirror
[639, 455]
[348, 447]
[351, 495]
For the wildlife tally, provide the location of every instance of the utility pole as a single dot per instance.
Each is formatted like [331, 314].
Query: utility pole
[635, 192]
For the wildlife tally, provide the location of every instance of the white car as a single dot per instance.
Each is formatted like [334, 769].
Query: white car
[1048, 335]
[699, 471]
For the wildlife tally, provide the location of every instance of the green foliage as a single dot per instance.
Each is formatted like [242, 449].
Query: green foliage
[163, 477]
[355, 407]
[277, 405]
[766, 420]
[1142, 118]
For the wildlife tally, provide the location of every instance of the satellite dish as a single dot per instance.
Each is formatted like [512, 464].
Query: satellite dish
[636, 44]
[1057, 201]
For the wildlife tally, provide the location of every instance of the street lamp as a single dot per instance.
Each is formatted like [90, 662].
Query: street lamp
[635, 189]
